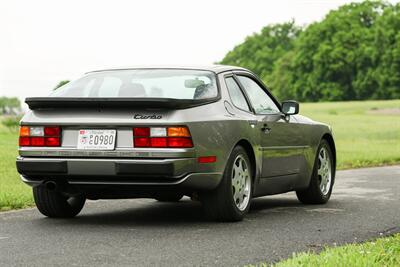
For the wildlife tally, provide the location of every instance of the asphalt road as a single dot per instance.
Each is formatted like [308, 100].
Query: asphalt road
[365, 204]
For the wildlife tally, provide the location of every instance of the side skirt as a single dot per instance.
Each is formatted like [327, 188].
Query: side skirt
[276, 185]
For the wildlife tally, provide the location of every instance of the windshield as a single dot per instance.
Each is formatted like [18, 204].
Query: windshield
[143, 83]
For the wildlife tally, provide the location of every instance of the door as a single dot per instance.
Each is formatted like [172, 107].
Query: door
[280, 141]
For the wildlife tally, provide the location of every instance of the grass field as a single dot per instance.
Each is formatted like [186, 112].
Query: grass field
[382, 252]
[13, 193]
[367, 134]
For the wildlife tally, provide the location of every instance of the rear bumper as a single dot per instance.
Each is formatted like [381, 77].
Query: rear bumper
[99, 171]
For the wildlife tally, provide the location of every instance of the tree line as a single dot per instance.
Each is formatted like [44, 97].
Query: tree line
[352, 54]
[9, 105]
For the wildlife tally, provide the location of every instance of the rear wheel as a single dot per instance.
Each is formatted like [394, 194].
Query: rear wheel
[321, 183]
[230, 201]
[56, 205]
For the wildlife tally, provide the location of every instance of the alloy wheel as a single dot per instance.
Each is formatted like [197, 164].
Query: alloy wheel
[241, 182]
[324, 171]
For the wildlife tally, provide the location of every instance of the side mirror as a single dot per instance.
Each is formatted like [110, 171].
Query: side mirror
[290, 107]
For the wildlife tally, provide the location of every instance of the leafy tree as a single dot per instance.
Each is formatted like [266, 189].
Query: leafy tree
[353, 53]
[260, 51]
[61, 83]
[334, 59]
[387, 55]
[10, 102]
[9, 105]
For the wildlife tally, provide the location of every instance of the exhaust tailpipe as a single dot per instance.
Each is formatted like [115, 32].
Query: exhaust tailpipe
[51, 185]
[61, 187]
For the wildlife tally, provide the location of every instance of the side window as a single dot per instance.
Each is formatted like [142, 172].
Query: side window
[259, 99]
[236, 94]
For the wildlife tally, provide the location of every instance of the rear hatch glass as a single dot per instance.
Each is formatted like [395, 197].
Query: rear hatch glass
[143, 83]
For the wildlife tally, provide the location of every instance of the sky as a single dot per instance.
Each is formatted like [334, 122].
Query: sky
[45, 41]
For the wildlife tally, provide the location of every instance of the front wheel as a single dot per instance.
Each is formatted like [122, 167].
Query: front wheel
[230, 201]
[322, 179]
[54, 204]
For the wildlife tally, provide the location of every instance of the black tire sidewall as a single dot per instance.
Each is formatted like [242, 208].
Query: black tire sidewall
[54, 204]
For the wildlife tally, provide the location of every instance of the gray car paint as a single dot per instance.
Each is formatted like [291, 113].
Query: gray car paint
[283, 158]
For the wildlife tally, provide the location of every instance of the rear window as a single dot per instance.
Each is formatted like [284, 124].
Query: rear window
[143, 83]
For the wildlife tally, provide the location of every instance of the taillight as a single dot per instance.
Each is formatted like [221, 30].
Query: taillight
[49, 136]
[52, 131]
[141, 131]
[172, 137]
[179, 142]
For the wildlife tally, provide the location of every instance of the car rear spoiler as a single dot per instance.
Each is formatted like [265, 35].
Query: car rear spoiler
[113, 102]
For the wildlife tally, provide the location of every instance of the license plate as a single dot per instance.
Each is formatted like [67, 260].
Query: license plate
[96, 139]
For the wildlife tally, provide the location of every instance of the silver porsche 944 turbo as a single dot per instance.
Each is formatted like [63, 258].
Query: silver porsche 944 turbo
[213, 133]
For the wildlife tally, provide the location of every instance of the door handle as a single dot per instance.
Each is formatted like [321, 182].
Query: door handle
[266, 129]
[252, 123]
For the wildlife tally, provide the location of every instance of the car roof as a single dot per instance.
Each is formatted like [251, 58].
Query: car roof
[213, 68]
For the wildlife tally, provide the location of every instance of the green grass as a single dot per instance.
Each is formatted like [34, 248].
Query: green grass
[362, 139]
[14, 194]
[364, 134]
[382, 252]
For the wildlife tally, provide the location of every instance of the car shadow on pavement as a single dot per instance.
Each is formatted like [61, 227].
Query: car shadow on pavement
[153, 213]
[265, 204]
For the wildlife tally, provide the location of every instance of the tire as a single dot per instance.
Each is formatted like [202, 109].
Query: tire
[54, 204]
[169, 197]
[323, 172]
[219, 204]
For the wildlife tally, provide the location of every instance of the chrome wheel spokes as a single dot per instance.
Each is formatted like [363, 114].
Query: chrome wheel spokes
[324, 171]
[241, 182]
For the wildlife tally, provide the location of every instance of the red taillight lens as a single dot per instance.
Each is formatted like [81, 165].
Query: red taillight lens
[24, 141]
[53, 141]
[37, 141]
[141, 131]
[40, 136]
[180, 142]
[52, 131]
[142, 142]
[173, 137]
[158, 142]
